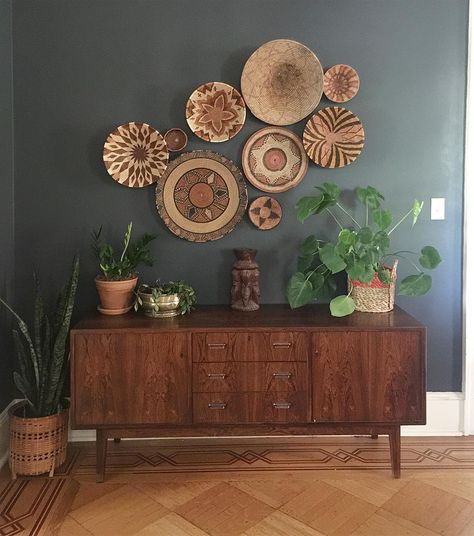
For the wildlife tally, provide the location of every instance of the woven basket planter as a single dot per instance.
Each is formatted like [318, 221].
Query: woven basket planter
[37, 445]
[374, 297]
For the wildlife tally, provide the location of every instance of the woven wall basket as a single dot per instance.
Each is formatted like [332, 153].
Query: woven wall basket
[37, 445]
[374, 297]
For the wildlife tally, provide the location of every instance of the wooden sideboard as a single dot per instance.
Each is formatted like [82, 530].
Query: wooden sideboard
[270, 372]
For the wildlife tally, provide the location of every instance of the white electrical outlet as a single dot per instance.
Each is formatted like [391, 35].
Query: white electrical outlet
[437, 208]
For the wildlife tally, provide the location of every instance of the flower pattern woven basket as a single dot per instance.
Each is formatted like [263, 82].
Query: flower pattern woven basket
[374, 297]
[37, 445]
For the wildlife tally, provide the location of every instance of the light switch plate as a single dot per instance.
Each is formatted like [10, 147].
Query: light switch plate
[437, 208]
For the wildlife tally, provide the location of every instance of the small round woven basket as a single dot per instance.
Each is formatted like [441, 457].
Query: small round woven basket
[37, 445]
[374, 297]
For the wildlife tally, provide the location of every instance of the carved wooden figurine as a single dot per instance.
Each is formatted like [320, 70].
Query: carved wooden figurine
[245, 292]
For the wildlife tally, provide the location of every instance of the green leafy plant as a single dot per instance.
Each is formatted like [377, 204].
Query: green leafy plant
[186, 293]
[132, 255]
[43, 352]
[361, 250]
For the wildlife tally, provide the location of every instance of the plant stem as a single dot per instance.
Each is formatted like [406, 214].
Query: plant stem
[366, 215]
[401, 221]
[406, 258]
[128, 235]
[347, 214]
[335, 219]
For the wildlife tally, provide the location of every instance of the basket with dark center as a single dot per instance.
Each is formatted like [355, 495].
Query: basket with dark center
[37, 444]
[374, 297]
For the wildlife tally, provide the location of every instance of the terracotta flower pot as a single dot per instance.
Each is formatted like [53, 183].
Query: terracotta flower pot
[38, 444]
[116, 297]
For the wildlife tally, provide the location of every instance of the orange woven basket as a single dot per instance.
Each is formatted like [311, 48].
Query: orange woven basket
[37, 445]
[374, 297]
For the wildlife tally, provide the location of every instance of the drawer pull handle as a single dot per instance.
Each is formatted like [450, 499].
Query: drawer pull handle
[282, 405]
[217, 405]
[279, 345]
[216, 345]
[282, 375]
[216, 375]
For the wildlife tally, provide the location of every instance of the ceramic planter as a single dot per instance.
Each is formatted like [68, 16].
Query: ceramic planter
[116, 297]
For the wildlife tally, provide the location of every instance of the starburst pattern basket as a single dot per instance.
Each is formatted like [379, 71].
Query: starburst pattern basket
[37, 445]
[374, 297]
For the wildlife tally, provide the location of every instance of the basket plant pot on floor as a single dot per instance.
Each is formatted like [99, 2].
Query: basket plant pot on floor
[116, 297]
[37, 444]
[374, 297]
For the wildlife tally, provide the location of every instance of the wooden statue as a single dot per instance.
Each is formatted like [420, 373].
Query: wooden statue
[245, 292]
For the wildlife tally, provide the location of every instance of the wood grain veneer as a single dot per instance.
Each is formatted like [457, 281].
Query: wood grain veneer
[270, 372]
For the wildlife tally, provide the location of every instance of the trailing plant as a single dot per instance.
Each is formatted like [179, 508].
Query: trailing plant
[132, 255]
[186, 293]
[361, 250]
[43, 351]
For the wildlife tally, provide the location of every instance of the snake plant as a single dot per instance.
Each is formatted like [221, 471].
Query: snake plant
[43, 351]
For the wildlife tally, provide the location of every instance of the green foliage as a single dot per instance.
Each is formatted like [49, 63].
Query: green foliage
[186, 293]
[43, 351]
[133, 254]
[362, 251]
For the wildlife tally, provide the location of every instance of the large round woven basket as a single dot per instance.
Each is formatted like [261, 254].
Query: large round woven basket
[374, 297]
[37, 445]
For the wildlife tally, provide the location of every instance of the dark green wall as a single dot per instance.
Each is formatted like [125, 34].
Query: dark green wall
[6, 198]
[83, 67]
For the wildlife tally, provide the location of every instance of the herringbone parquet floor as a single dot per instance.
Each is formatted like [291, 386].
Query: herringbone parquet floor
[275, 487]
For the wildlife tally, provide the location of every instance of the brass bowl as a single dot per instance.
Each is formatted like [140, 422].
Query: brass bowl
[162, 307]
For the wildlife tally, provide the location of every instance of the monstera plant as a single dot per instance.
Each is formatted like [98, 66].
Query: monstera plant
[361, 249]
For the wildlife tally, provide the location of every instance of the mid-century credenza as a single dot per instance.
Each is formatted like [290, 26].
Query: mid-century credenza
[270, 372]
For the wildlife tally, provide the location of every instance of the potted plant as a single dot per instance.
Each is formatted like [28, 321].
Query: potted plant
[171, 299]
[39, 424]
[118, 279]
[361, 250]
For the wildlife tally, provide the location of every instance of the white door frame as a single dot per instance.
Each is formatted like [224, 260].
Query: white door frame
[468, 239]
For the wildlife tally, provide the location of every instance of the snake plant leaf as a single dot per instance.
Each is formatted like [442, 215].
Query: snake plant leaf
[38, 319]
[26, 370]
[309, 246]
[299, 291]
[415, 285]
[26, 334]
[342, 306]
[59, 346]
[307, 206]
[417, 208]
[23, 386]
[430, 258]
[334, 262]
[382, 218]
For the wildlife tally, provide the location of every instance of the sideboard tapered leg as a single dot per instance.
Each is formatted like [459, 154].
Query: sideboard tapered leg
[101, 454]
[395, 450]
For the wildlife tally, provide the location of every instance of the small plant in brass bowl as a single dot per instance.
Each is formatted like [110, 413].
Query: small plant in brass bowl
[165, 300]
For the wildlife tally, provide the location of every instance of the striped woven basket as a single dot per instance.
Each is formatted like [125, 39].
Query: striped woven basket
[37, 445]
[374, 297]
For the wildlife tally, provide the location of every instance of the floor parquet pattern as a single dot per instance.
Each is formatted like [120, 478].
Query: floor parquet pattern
[250, 487]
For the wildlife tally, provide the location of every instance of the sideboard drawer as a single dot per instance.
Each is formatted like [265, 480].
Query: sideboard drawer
[250, 346]
[231, 376]
[235, 408]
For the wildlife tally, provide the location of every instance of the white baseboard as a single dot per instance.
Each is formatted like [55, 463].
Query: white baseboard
[5, 433]
[444, 417]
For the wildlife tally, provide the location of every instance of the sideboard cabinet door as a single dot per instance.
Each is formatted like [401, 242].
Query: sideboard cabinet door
[130, 378]
[369, 376]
